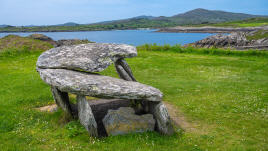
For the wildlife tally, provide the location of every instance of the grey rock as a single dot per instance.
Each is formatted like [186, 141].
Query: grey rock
[62, 100]
[124, 70]
[235, 40]
[124, 121]
[100, 108]
[92, 57]
[163, 121]
[220, 40]
[98, 86]
[86, 116]
[122, 73]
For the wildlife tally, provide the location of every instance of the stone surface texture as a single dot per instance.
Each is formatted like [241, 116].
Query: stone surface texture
[92, 57]
[98, 86]
[163, 121]
[237, 40]
[62, 100]
[124, 121]
[100, 108]
[86, 116]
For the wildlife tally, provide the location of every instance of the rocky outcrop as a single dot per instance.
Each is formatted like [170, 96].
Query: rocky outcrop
[124, 121]
[235, 40]
[43, 38]
[221, 40]
[59, 43]
[93, 57]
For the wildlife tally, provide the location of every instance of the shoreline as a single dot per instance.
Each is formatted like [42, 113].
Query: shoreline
[73, 30]
[209, 29]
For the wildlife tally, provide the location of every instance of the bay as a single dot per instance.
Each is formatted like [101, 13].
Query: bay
[133, 37]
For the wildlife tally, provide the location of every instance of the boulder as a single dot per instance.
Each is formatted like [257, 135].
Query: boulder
[95, 85]
[91, 57]
[124, 121]
[100, 108]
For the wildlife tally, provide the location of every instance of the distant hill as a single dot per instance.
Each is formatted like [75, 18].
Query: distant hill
[198, 16]
[2, 26]
[193, 17]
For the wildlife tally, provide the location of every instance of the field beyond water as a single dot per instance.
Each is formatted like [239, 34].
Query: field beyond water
[223, 97]
[252, 22]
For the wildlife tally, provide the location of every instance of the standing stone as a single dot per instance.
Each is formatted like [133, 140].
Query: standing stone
[124, 121]
[163, 121]
[86, 116]
[62, 100]
[124, 70]
[122, 73]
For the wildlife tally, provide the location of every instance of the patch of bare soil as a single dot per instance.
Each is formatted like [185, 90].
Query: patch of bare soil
[48, 108]
[179, 119]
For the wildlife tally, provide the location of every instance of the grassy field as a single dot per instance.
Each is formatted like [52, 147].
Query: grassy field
[224, 98]
[253, 22]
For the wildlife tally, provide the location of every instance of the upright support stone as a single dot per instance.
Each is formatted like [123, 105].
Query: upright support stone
[163, 121]
[122, 65]
[86, 116]
[122, 73]
[62, 100]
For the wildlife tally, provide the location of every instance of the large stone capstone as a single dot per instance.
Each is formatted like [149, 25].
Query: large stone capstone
[92, 57]
[124, 120]
[95, 85]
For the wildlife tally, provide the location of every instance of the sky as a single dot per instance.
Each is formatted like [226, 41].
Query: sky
[49, 12]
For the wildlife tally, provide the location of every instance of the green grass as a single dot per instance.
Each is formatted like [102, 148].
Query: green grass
[258, 35]
[14, 44]
[224, 97]
[204, 51]
[252, 22]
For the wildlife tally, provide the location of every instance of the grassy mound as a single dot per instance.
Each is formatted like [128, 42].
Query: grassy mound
[16, 44]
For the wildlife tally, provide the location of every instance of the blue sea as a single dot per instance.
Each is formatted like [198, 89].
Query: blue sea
[133, 37]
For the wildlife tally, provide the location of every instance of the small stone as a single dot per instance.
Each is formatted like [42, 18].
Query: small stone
[124, 121]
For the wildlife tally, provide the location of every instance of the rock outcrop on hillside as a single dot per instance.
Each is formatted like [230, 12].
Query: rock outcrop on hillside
[58, 43]
[236, 40]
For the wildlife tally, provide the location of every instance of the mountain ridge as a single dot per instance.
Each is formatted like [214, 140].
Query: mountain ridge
[195, 16]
